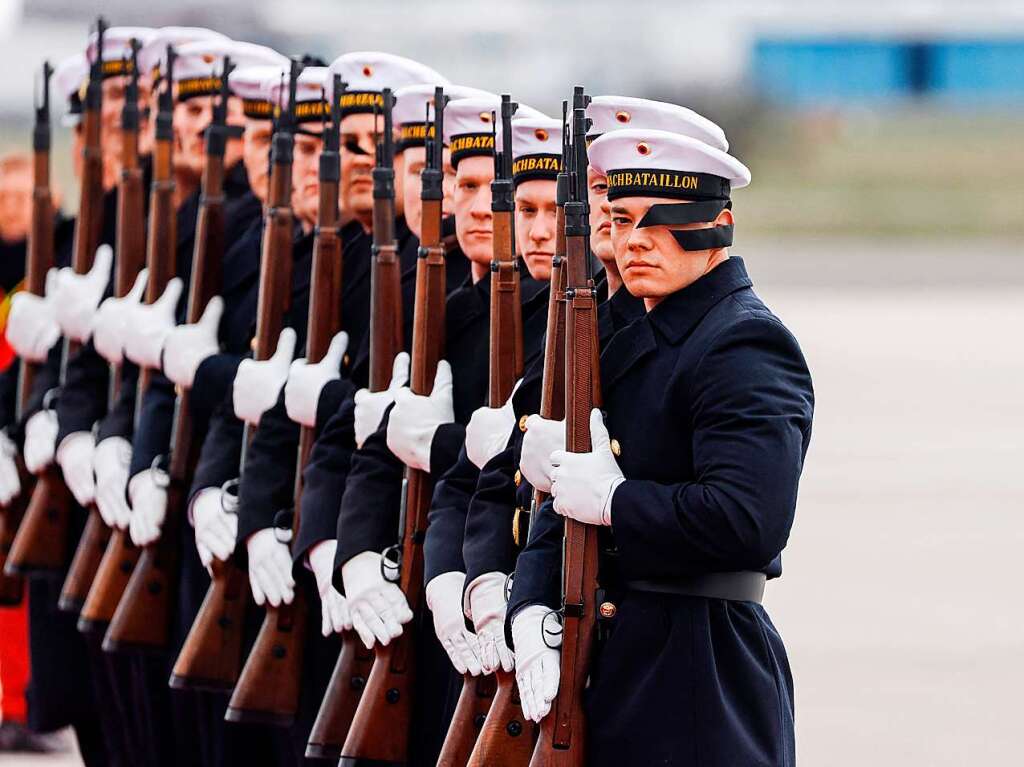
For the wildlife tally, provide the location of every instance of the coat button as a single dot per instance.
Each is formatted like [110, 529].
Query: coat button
[522, 423]
[252, 345]
[608, 610]
[615, 447]
[346, 360]
[516, 534]
[518, 478]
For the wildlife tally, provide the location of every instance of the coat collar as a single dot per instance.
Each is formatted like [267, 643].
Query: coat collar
[680, 312]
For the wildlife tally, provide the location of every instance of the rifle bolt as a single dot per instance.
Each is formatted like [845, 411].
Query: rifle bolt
[278, 651]
[514, 728]
[392, 695]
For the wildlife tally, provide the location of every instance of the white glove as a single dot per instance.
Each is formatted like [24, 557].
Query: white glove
[370, 406]
[147, 492]
[444, 598]
[40, 440]
[537, 666]
[149, 324]
[270, 568]
[74, 455]
[582, 484]
[78, 295]
[378, 607]
[334, 615]
[258, 384]
[306, 381]
[186, 346]
[216, 529]
[110, 464]
[486, 597]
[110, 322]
[32, 327]
[488, 430]
[542, 438]
[415, 418]
[10, 482]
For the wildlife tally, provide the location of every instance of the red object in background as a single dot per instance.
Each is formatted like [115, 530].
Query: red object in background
[6, 352]
[14, 661]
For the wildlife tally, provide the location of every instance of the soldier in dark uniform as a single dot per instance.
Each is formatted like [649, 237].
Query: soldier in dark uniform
[710, 403]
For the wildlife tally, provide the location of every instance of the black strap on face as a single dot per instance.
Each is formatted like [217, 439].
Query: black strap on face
[680, 213]
[352, 146]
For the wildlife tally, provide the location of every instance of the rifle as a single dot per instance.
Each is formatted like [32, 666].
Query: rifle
[563, 732]
[505, 367]
[144, 614]
[380, 725]
[38, 260]
[271, 672]
[355, 663]
[119, 560]
[41, 543]
[500, 743]
[131, 251]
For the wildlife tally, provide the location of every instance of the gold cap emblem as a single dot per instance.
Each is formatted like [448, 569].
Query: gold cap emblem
[643, 148]
[622, 116]
[541, 134]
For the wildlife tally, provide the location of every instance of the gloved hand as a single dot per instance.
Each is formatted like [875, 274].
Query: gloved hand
[270, 568]
[538, 666]
[486, 598]
[582, 484]
[216, 528]
[149, 324]
[334, 615]
[110, 463]
[78, 295]
[305, 381]
[110, 323]
[378, 607]
[74, 455]
[40, 440]
[32, 327]
[444, 598]
[542, 438]
[370, 406]
[10, 482]
[488, 430]
[415, 418]
[186, 346]
[147, 491]
[258, 384]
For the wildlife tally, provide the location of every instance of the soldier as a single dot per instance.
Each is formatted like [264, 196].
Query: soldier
[710, 402]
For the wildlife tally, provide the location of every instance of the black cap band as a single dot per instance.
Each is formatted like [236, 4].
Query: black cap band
[471, 145]
[413, 134]
[257, 109]
[194, 87]
[356, 102]
[530, 167]
[674, 184]
[311, 111]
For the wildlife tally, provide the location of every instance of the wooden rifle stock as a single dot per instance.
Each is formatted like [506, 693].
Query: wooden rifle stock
[113, 576]
[271, 672]
[130, 249]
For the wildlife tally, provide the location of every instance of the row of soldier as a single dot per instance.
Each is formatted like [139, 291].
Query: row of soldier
[396, 419]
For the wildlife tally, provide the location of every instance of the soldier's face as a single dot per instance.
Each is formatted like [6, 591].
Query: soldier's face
[414, 161]
[235, 116]
[357, 157]
[535, 226]
[256, 155]
[305, 182]
[15, 203]
[472, 203]
[651, 262]
[191, 118]
[110, 128]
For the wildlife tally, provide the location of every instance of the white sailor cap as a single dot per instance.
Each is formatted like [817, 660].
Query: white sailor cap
[153, 53]
[410, 110]
[655, 163]
[117, 48]
[68, 78]
[609, 113]
[310, 105]
[252, 84]
[198, 65]
[469, 128]
[536, 148]
[367, 73]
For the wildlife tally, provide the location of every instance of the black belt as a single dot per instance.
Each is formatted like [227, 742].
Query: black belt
[743, 586]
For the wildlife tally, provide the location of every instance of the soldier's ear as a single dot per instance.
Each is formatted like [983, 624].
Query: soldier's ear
[725, 218]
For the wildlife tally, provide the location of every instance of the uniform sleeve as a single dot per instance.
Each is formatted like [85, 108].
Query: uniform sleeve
[152, 437]
[83, 397]
[446, 528]
[332, 396]
[538, 573]
[268, 479]
[9, 393]
[368, 518]
[120, 419]
[750, 405]
[323, 480]
[445, 446]
[221, 450]
[489, 545]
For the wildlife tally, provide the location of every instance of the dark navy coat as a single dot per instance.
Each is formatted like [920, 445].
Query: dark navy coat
[497, 520]
[711, 401]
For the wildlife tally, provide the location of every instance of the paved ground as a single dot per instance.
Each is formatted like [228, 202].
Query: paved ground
[898, 602]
